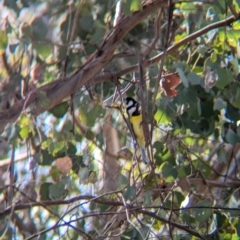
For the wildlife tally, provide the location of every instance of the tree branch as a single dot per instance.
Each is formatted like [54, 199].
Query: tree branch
[62, 88]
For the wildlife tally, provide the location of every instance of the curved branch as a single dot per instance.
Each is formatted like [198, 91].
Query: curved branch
[61, 88]
[88, 198]
[114, 203]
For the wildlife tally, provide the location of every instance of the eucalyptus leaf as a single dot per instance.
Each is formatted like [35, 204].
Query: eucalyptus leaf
[129, 193]
[232, 137]
[237, 227]
[24, 132]
[136, 5]
[57, 191]
[183, 77]
[39, 29]
[83, 175]
[46, 158]
[168, 171]
[44, 191]
[202, 214]
[3, 40]
[60, 110]
[219, 104]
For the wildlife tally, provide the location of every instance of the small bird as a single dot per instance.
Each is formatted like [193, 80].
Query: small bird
[135, 117]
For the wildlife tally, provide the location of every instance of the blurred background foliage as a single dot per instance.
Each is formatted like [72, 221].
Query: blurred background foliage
[60, 153]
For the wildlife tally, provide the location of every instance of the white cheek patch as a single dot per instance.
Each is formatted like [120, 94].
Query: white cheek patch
[130, 103]
[131, 110]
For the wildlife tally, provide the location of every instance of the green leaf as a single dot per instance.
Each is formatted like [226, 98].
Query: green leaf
[24, 121]
[207, 109]
[59, 149]
[225, 77]
[228, 236]
[129, 193]
[165, 109]
[202, 49]
[123, 181]
[60, 110]
[43, 49]
[39, 29]
[77, 161]
[232, 35]
[24, 132]
[183, 77]
[46, 158]
[234, 63]
[54, 173]
[194, 79]
[12, 5]
[71, 149]
[26, 125]
[98, 35]
[126, 6]
[232, 137]
[159, 146]
[237, 227]
[3, 40]
[204, 166]
[147, 198]
[222, 220]
[44, 101]
[187, 218]
[44, 191]
[222, 155]
[202, 214]
[48, 144]
[232, 113]
[178, 198]
[184, 170]
[168, 171]
[83, 175]
[90, 111]
[162, 213]
[136, 5]
[187, 95]
[219, 104]
[86, 22]
[57, 191]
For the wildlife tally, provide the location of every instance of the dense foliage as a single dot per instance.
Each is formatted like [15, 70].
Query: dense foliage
[68, 167]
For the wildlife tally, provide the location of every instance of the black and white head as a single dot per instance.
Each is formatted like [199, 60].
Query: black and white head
[132, 106]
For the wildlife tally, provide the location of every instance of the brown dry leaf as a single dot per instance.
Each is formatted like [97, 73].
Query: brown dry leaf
[37, 72]
[64, 164]
[184, 184]
[168, 84]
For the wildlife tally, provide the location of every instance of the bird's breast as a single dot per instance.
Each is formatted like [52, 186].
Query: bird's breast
[136, 122]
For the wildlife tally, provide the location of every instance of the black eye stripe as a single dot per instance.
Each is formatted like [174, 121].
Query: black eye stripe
[133, 110]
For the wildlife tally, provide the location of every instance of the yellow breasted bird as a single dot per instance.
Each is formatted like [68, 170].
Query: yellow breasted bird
[135, 117]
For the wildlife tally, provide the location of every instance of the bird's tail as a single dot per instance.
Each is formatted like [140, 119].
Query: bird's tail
[144, 155]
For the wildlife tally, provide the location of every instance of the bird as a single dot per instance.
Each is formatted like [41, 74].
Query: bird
[133, 110]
